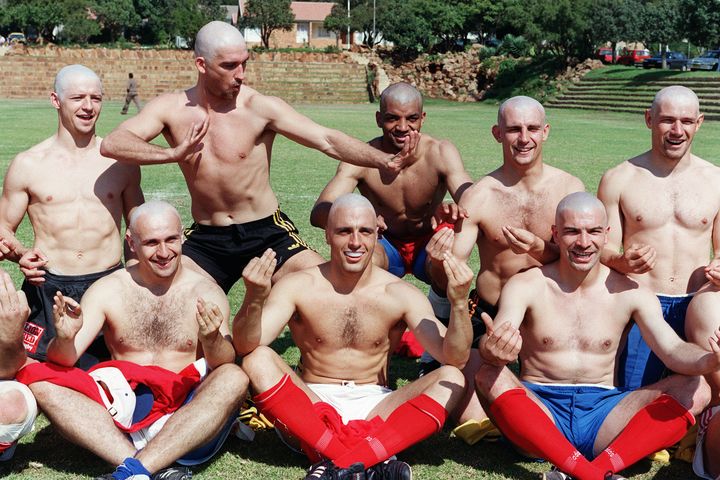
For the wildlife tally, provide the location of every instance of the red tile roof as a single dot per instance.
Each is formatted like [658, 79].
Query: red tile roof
[311, 11]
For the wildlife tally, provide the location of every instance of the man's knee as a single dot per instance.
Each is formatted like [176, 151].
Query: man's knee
[693, 393]
[232, 378]
[257, 363]
[18, 411]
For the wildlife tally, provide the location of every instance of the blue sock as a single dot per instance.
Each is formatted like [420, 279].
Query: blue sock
[129, 467]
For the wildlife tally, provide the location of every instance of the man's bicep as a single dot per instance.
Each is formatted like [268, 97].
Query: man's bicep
[344, 181]
[14, 200]
[277, 312]
[514, 302]
[287, 121]
[458, 180]
[465, 240]
[609, 195]
[93, 304]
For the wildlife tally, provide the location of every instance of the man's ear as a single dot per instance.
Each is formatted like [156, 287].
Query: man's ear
[55, 100]
[129, 240]
[496, 133]
[200, 64]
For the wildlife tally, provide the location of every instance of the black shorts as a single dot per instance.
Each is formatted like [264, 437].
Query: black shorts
[476, 306]
[40, 327]
[223, 252]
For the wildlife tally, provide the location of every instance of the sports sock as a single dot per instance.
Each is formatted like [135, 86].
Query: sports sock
[410, 423]
[129, 467]
[526, 425]
[659, 424]
[286, 403]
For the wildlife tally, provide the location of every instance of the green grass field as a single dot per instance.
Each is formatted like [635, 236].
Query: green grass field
[583, 143]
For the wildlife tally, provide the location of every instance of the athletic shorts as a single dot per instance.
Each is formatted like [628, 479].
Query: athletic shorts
[406, 257]
[223, 252]
[476, 306]
[578, 410]
[699, 459]
[639, 366]
[11, 433]
[40, 328]
[351, 401]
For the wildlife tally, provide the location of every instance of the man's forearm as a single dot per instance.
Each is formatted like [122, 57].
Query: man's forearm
[351, 150]
[62, 352]
[218, 351]
[247, 326]
[456, 345]
[125, 146]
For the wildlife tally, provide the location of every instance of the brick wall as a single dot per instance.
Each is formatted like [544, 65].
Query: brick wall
[296, 77]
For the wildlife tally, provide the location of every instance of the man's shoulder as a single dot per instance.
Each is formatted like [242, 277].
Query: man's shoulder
[704, 166]
[561, 177]
[110, 285]
[35, 153]
[480, 191]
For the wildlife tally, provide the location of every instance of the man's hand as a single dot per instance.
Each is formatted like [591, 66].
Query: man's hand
[258, 273]
[403, 158]
[381, 225]
[67, 316]
[440, 244]
[712, 272]
[499, 346]
[448, 213]
[14, 309]
[190, 144]
[209, 319]
[522, 241]
[31, 265]
[459, 276]
[10, 247]
[639, 258]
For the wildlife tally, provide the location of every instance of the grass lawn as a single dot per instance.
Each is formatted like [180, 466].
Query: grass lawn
[583, 143]
[621, 72]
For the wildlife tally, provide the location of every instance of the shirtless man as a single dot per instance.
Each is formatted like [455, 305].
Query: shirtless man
[566, 320]
[510, 212]
[221, 134]
[158, 318]
[404, 202]
[701, 321]
[663, 212]
[343, 315]
[75, 199]
[17, 404]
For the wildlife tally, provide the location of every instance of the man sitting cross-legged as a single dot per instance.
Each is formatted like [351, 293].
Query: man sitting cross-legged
[343, 315]
[158, 318]
[566, 320]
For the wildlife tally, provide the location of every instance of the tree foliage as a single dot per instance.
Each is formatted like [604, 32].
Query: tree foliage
[268, 16]
[700, 21]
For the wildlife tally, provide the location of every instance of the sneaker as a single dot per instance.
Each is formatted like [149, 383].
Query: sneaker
[173, 473]
[614, 476]
[326, 470]
[426, 367]
[555, 474]
[389, 470]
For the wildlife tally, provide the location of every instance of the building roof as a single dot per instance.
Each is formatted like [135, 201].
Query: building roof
[311, 11]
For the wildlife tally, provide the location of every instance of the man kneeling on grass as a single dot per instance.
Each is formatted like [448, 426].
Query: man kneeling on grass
[158, 318]
[566, 320]
[343, 315]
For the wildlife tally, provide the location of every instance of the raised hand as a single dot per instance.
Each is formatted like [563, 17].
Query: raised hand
[500, 345]
[14, 310]
[639, 258]
[209, 319]
[258, 273]
[447, 214]
[459, 276]
[190, 144]
[10, 247]
[67, 316]
[521, 240]
[31, 265]
[404, 157]
[440, 244]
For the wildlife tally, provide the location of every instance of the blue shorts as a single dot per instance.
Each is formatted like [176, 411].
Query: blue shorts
[406, 257]
[638, 365]
[578, 410]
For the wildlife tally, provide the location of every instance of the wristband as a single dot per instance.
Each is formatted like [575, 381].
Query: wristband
[449, 225]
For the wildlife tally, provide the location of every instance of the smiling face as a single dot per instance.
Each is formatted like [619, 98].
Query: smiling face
[351, 234]
[521, 130]
[580, 235]
[397, 119]
[673, 121]
[156, 239]
[79, 103]
[224, 72]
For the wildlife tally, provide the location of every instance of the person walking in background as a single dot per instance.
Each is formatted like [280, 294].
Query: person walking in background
[131, 95]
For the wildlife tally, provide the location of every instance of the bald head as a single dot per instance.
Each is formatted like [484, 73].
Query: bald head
[349, 201]
[71, 73]
[152, 209]
[677, 94]
[519, 103]
[580, 202]
[217, 35]
[400, 93]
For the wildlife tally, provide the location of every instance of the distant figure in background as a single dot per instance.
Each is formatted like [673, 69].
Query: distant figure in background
[131, 95]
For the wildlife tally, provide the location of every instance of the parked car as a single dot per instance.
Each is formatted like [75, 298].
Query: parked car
[16, 37]
[604, 54]
[674, 60]
[707, 61]
[633, 57]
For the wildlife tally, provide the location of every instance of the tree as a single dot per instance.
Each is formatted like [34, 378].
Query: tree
[614, 21]
[115, 16]
[268, 16]
[361, 19]
[700, 22]
[662, 25]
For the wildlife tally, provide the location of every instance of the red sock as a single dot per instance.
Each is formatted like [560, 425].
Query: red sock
[660, 424]
[525, 424]
[410, 423]
[287, 404]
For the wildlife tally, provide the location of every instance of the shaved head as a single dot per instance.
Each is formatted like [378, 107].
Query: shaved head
[350, 201]
[580, 202]
[153, 208]
[520, 103]
[675, 93]
[401, 93]
[66, 76]
[216, 35]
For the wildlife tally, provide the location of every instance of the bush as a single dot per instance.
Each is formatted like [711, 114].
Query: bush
[534, 77]
[514, 46]
[487, 52]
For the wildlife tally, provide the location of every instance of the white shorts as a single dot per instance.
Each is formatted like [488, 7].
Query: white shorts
[12, 432]
[698, 460]
[352, 402]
